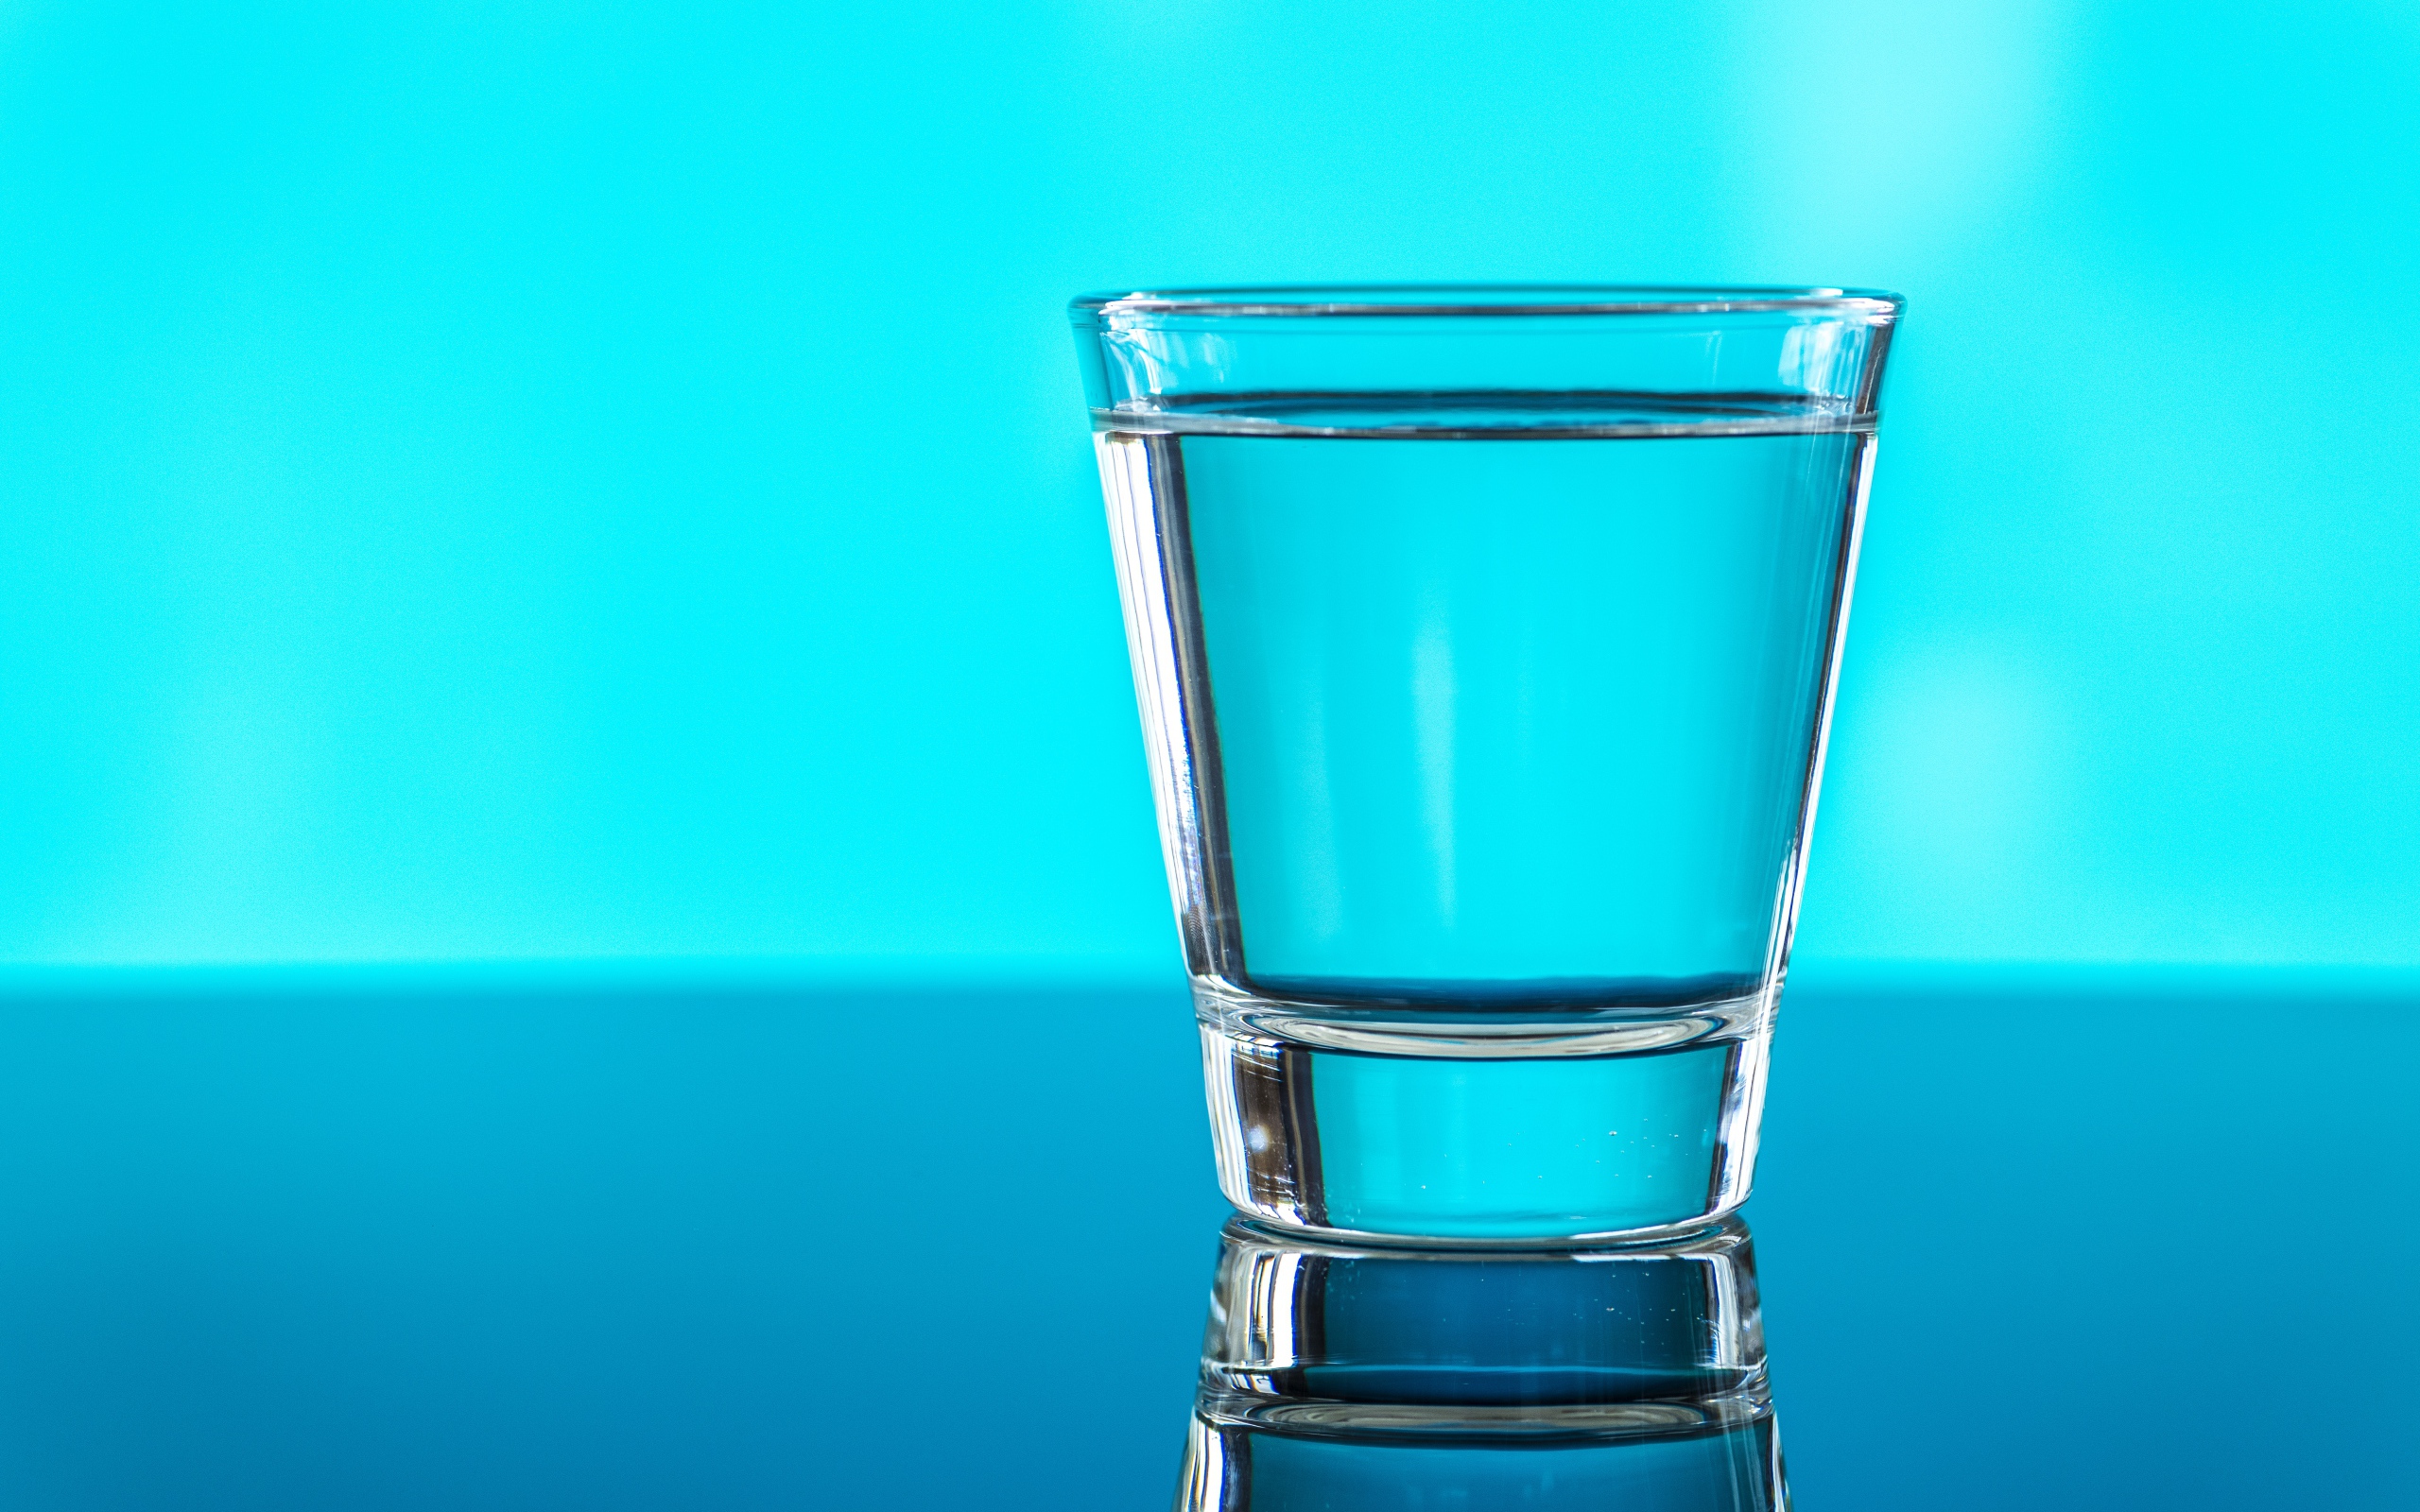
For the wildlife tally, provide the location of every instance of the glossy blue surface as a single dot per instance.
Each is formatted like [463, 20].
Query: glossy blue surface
[390, 1250]
[548, 480]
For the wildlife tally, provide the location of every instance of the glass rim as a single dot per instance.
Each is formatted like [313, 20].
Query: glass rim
[1487, 300]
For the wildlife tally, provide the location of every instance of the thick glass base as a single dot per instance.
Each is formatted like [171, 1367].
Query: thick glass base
[1427, 1131]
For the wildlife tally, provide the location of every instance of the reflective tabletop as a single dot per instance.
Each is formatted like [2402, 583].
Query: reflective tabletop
[397, 1247]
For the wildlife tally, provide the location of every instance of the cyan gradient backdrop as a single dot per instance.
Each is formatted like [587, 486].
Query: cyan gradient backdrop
[606, 483]
[587, 482]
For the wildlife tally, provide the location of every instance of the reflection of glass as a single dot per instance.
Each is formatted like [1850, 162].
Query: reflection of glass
[1348, 1379]
[1484, 640]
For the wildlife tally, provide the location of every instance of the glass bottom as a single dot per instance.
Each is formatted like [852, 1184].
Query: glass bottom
[1419, 1133]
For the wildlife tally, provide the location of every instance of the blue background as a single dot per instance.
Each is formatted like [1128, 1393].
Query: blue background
[527, 483]
[590, 504]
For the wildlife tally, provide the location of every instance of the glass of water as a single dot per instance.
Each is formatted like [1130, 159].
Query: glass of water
[1485, 640]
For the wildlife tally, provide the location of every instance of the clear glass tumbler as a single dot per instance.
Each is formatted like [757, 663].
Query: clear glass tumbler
[1485, 640]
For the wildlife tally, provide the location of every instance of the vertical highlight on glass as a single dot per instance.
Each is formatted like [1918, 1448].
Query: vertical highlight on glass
[1485, 640]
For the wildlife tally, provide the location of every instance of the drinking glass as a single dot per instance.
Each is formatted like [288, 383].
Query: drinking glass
[1485, 640]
